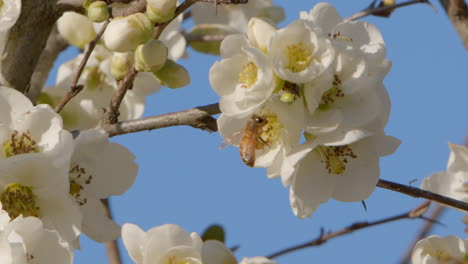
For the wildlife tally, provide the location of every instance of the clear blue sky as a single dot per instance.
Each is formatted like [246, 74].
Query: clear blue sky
[184, 179]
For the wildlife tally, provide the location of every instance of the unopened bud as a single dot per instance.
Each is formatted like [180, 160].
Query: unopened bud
[150, 56]
[126, 33]
[287, 97]
[173, 75]
[259, 32]
[160, 11]
[80, 35]
[98, 11]
[120, 64]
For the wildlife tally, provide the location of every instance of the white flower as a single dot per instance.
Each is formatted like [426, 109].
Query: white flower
[299, 54]
[80, 35]
[25, 240]
[435, 249]
[9, 12]
[171, 244]
[236, 16]
[161, 245]
[358, 35]
[451, 183]
[243, 78]
[150, 56]
[259, 32]
[346, 173]
[99, 169]
[161, 10]
[257, 260]
[126, 33]
[34, 164]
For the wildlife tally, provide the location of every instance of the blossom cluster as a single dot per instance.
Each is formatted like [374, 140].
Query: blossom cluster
[308, 103]
[51, 185]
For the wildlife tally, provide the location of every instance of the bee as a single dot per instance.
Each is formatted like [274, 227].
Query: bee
[251, 140]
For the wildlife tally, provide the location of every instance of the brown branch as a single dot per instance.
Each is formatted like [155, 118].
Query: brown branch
[75, 88]
[382, 9]
[117, 10]
[457, 11]
[418, 193]
[423, 232]
[26, 41]
[55, 45]
[198, 117]
[112, 248]
[322, 238]
[179, 10]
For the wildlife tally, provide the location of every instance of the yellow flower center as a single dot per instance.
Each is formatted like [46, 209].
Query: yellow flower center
[18, 200]
[335, 157]
[248, 75]
[271, 131]
[330, 96]
[299, 57]
[20, 144]
[78, 178]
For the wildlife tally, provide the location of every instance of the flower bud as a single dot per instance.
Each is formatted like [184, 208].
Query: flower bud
[173, 75]
[287, 97]
[98, 11]
[150, 56]
[80, 35]
[208, 30]
[259, 32]
[120, 64]
[274, 13]
[160, 11]
[126, 33]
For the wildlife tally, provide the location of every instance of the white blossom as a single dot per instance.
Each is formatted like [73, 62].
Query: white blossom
[126, 33]
[257, 260]
[99, 169]
[346, 173]
[452, 182]
[435, 249]
[10, 11]
[299, 54]
[25, 240]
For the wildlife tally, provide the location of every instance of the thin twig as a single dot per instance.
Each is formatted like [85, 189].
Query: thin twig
[322, 238]
[423, 232]
[198, 117]
[112, 248]
[386, 8]
[179, 10]
[418, 193]
[75, 88]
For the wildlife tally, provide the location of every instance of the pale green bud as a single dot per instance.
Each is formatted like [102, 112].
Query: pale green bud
[80, 35]
[287, 97]
[259, 32]
[207, 31]
[173, 75]
[120, 64]
[126, 33]
[150, 56]
[98, 11]
[160, 11]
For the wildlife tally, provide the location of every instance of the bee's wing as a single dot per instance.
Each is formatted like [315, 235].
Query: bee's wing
[234, 139]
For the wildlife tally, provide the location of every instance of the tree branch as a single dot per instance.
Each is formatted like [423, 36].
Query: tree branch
[382, 9]
[112, 248]
[457, 11]
[322, 238]
[55, 45]
[26, 41]
[75, 88]
[418, 193]
[198, 117]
